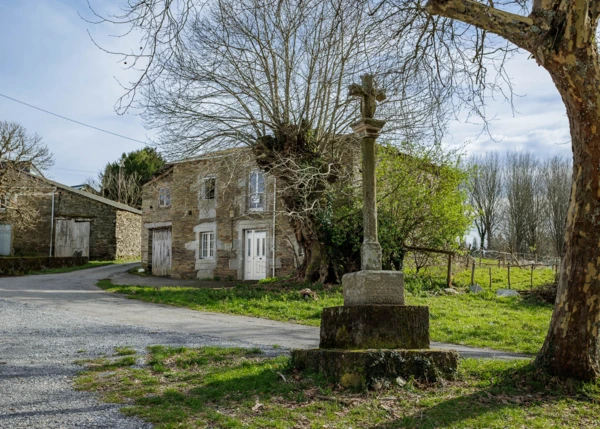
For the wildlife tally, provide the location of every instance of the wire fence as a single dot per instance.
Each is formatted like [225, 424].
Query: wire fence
[492, 272]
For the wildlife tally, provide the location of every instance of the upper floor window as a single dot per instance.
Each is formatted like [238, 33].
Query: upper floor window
[164, 197]
[4, 202]
[256, 191]
[210, 186]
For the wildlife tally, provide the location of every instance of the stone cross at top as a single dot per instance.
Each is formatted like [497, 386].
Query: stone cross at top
[368, 93]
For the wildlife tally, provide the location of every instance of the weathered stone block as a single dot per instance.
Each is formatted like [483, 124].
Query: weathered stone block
[373, 287]
[375, 327]
[361, 368]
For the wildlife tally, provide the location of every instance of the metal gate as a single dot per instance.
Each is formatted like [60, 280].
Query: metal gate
[72, 238]
[5, 240]
[161, 252]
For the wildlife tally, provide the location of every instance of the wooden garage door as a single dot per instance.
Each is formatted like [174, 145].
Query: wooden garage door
[161, 252]
[72, 238]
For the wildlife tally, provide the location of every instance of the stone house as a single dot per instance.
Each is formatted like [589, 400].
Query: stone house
[214, 217]
[69, 222]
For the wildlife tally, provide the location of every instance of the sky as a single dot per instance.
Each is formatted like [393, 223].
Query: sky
[48, 60]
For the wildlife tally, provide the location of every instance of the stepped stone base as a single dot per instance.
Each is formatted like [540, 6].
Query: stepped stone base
[361, 368]
[373, 287]
[375, 327]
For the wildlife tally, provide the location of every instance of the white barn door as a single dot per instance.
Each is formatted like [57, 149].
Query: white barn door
[5, 239]
[255, 265]
[72, 238]
[161, 252]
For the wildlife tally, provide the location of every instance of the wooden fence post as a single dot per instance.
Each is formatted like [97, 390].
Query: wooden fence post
[531, 279]
[449, 277]
[473, 272]
[508, 275]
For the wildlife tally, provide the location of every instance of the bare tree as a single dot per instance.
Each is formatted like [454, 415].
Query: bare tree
[123, 188]
[273, 75]
[485, 193]
[21, 154]
[557, 186]
[524, 201]
[561, 36]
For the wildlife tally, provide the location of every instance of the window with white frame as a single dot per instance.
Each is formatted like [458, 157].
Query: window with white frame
[164, 197]
[207, 245]
[256, 191]
[210, 187]
[4, 202]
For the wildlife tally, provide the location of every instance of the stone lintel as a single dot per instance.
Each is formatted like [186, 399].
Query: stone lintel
[361, 368]
[375, 327]
[373, 287]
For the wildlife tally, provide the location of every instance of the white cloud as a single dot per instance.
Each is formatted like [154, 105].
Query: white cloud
[539, 123]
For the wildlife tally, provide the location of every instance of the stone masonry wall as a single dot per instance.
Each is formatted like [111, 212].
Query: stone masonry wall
[35, 241]
[152, 213]
[227, 213]
[103, 219]
[128, 235]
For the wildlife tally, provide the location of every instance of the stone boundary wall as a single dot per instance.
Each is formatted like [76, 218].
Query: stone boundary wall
[20, 266]
[128, 227]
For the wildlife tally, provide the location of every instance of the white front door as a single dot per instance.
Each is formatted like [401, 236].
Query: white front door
[255, 255]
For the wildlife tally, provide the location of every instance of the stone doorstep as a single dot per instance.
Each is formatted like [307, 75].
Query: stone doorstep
[360, 327]
[373, 287]
[362, 368]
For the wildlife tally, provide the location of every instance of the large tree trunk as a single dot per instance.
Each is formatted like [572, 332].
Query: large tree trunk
[572, 346]
[561, 37]
[316, 266]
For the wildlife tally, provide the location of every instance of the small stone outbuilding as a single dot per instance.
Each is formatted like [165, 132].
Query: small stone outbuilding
[72, 222]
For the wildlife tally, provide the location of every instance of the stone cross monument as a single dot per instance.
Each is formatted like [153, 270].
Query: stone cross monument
[368, 128]
[371, 285]
[374, 335]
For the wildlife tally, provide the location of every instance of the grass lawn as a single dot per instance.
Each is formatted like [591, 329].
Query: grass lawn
[90, 264]
[235, 388]
[482, 320]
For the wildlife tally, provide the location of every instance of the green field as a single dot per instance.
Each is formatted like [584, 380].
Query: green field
[520, 277]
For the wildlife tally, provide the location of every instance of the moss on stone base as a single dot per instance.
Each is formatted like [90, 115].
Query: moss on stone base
[361, 368]
[375, 327]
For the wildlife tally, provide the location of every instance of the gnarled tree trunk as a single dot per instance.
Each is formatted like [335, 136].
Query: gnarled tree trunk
[572, 346]
[561, 36]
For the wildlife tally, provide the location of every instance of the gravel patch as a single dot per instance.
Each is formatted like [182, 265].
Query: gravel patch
[38, 347]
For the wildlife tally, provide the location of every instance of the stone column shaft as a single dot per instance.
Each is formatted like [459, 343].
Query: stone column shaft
[370, 251]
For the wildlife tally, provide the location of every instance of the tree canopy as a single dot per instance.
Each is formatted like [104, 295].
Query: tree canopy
[122, 180]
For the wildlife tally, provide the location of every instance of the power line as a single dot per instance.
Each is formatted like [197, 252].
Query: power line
[71, 169]
[71, 120]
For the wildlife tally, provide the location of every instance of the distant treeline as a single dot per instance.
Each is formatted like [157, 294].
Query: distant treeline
[521, 201]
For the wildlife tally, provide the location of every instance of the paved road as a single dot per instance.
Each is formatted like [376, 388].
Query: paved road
[49, 321]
